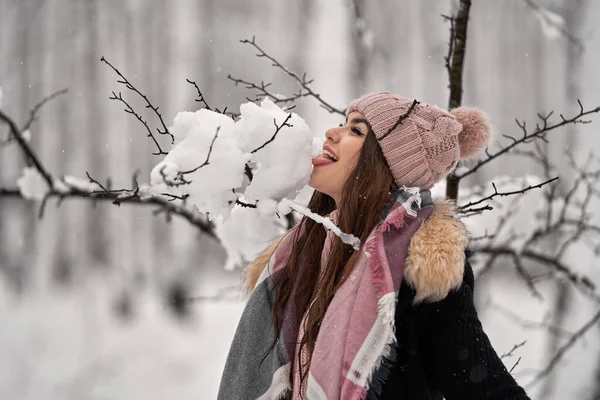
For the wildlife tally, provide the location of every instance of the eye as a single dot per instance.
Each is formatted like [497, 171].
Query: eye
[357, 131]
[341, 125]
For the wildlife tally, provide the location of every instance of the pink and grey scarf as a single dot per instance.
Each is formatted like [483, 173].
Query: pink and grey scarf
[356, 339]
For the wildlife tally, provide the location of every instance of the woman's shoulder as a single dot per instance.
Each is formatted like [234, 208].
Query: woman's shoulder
[437, 254]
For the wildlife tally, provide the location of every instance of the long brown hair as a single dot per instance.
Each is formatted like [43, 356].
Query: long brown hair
[364, 196]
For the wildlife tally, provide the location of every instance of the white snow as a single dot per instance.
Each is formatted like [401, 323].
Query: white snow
[211, 186]
[246, 234]
[326, 222]
[552, 24]
[284, 165]
[1, 96]
[280, 168]
[81, 184]
[32, 185]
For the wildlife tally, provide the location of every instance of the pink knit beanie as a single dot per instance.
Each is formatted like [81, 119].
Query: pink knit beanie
[426, 145]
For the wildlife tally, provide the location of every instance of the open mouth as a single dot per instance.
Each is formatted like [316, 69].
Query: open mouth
[329, 155]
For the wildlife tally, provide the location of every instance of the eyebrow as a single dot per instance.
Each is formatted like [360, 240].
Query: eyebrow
[358, 121]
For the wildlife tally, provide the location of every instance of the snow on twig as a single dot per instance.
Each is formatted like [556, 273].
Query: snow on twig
[325, 221]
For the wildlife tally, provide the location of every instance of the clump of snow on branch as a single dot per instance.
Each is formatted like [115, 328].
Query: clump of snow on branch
[211, 186]
[325, 221]
[282, 167]
[552, 24]
[212, 153]
[246, 234]
[32, 185]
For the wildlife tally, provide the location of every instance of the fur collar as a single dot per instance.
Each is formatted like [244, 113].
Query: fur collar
[436, 255]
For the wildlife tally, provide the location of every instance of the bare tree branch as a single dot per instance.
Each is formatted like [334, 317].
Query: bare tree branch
[128, 85]
[201, 98]
[29, 153]
[33, 114]
[543, 14]
[555, 360]
[302, 81]
[467, 208]
[262, 89]
[129, 110]
[582, 283]
[165, 204]
[539, 132]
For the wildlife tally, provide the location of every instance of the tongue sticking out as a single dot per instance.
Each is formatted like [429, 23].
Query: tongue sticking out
[321, 160]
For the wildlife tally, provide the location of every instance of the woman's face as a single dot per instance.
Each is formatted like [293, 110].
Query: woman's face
[340, 155]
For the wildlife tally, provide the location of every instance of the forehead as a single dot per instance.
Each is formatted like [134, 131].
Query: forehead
[355, 115]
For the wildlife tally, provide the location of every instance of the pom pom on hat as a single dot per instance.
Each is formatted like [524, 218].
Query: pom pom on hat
[476, 132]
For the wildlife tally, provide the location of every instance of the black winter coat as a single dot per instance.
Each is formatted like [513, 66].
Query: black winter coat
[444, 353]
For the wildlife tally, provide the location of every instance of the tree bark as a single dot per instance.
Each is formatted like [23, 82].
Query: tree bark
[455, 73]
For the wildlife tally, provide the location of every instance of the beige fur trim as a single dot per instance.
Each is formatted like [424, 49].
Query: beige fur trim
[435, 261]
[436, 255]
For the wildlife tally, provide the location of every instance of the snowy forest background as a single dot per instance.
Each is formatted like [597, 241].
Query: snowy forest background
[106, 302]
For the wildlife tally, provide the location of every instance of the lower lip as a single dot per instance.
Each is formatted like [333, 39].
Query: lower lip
[321, 161]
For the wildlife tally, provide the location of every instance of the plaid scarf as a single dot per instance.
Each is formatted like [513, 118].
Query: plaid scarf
[356, 341]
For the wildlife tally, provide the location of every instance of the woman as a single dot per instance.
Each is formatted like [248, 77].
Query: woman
[395, 319]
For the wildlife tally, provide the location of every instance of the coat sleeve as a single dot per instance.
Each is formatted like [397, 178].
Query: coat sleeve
[457, 354]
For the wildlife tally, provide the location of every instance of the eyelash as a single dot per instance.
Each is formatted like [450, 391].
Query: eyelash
[355, 130]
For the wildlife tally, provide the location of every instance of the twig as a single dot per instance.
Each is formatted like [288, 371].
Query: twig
[33, 113]
[570, 37]
[201, 98]
[126, 196]
[29, 153]
[262, 89]
[515, 347]
[563, 350]
[400, 119]
[514, 366]
[540, 132]
[149, 105]
[302, 81]
[466, 207]
[130, 110]
[207, 161]
[245, 205]
[582, 283]
[277, 129]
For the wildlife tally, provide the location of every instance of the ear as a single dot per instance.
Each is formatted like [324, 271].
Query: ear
[436, 255]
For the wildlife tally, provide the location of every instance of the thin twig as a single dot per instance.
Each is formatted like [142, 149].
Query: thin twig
[29, 153]
[554, 361]
[201, 98]
[302, 81]
[466, 208]
[400, 119]
[277, 129]
[540, 132]
[149, 105]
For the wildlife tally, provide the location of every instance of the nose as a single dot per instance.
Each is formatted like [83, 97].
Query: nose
[333, 134]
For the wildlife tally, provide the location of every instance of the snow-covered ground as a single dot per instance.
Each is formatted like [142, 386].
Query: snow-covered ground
[71, 346]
